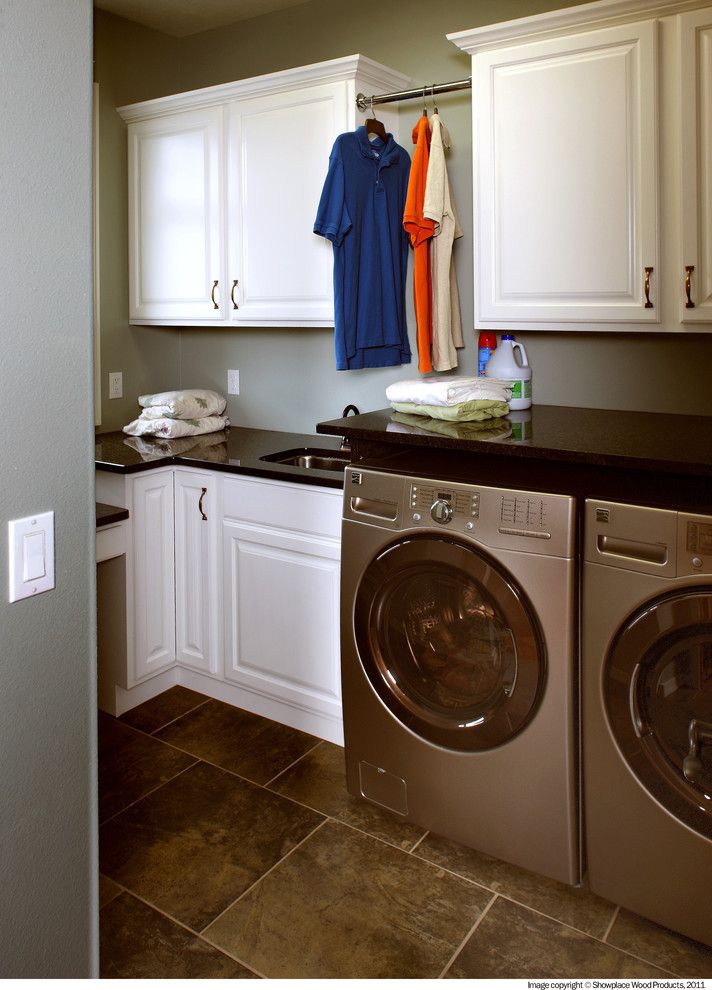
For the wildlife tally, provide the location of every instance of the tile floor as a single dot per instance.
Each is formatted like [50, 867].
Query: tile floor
[230, 848]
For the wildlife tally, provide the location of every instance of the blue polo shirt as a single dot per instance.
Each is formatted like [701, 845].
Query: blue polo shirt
[361, 213]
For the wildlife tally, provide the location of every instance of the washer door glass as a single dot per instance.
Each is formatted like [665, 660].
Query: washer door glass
[449, 642]
[658, 691]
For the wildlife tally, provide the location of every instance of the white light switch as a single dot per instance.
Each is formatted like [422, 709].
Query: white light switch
[31, 555]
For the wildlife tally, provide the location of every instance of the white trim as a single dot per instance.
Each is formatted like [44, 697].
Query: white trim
[96, 259]
[334, 70]
[550, 24]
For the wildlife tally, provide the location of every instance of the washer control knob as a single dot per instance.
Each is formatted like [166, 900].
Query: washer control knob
[416, 517]
[441, 511]
[469, 525]
[696, 562]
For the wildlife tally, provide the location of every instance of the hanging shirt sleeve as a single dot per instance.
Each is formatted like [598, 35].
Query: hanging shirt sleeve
[332, 218]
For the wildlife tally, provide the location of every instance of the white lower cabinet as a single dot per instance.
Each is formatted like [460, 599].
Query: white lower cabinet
[153, 591]
[254, 621]
[197, 604]
[281, 558]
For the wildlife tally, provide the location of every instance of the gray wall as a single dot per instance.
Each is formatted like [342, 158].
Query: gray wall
[287, 377]
[47, 644]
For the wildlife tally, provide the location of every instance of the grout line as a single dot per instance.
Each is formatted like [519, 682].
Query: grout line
[378, 838]
[467, 938]
[413, 848]
[293, 763]
[611, 923]
[182, 924]
[163, 783]
[178, 717]
[261, 878]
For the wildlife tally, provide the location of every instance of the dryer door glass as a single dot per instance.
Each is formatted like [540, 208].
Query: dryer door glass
[658, 688]
[450, 643]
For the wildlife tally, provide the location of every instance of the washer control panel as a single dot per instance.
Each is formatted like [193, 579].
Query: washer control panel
[503, 518]
[531, 522]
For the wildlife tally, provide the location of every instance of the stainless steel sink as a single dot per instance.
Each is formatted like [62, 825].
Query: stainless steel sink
[311, 457]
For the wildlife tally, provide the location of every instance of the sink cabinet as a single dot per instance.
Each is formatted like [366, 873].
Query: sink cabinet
[281, 558]
[242, 605]
[591, 130]
[224, 185]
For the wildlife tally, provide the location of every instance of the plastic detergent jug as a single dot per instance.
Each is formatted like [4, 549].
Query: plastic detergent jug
[504, 364]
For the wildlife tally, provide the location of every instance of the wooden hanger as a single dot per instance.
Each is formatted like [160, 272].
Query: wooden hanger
[374, 126]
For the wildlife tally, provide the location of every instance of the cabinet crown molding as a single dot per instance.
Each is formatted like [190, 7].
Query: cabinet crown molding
[552, 23]
[335, 70]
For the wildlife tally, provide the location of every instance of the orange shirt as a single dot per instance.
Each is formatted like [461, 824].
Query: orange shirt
[420, 230]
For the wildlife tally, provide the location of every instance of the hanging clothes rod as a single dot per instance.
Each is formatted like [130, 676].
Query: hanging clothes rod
[364, 103]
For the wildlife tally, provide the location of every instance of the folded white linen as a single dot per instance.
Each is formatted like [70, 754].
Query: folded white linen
[449, 390]
[188, 403]
[176, 427]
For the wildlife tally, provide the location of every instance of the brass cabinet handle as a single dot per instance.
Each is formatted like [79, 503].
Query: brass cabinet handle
[646, 286]
[203, 493]
[212, 294]
[232, 294]
[689, 269]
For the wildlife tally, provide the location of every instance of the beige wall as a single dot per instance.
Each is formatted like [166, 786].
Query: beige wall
[287, 377]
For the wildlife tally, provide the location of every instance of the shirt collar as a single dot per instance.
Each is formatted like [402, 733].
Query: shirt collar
[386, 151]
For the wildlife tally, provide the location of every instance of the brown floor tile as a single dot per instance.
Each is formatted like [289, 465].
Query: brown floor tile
[131, 764]
[139, 943]
[164, 708]
[196, 844]
[344, 905]
[319, 780]
[574, 906]
[665, 948]
[514, 943]
[108, 890]
[247, 744]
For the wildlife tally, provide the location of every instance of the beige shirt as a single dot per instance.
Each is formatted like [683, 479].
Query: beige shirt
[438, 206]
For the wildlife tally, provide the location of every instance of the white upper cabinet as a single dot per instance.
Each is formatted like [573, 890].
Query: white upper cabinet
[278, 151]
[695, 63]
[576, 159]
[175, 217]
[224, 185]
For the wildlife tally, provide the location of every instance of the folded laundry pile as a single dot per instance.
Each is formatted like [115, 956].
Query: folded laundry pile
[455, 399]
[185, 413]
[490, 429]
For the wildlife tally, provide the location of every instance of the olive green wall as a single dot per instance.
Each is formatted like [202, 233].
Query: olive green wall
[287, 377]
[48, 816]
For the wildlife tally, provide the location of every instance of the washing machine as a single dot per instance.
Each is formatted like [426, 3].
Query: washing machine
[458, 633]
[647, 712]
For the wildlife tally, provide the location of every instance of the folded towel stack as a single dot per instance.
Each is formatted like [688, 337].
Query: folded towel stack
[452, 398]
[185, 413]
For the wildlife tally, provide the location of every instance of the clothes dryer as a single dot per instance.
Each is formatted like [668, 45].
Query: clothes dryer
[458, 662]
[647, 712]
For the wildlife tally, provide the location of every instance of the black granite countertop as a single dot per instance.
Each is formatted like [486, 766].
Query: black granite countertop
[236, 450]
[108, 514]
[651, 442]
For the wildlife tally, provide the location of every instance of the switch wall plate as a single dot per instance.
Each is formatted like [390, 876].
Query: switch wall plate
[30, 555]
[233, 382]
[116, 385]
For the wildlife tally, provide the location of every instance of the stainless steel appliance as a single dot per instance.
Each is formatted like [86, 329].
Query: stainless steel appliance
[458, 662]
[647, 712]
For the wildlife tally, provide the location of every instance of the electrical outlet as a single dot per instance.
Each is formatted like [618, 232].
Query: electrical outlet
[116, 385]
[233, 383]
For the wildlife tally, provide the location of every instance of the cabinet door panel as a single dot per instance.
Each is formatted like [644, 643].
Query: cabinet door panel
[153, 584]
[279, 155]
[282, 615]
[566, 178]
[695, 61]
[175, 218]
[196, 546]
